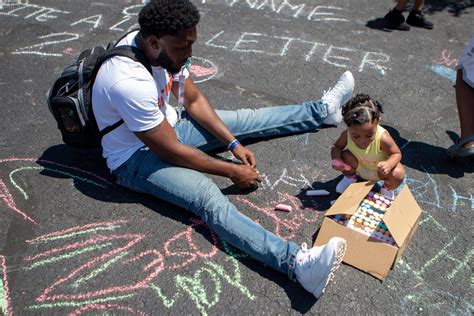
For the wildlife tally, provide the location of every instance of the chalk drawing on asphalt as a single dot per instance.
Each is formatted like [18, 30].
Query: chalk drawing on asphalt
[282, 46]
[107, 247]
[5, 304]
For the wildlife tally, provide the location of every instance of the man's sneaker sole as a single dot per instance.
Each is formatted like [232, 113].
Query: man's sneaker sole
[340, 250]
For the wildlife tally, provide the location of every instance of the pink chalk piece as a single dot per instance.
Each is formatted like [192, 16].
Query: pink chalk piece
[69, 51]
[7, 308]
[283, 207]
[339, 163]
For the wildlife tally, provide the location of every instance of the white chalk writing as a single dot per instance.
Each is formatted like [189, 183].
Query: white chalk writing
[258, 43]
[28, 11]
[285, 7]
[37, 49]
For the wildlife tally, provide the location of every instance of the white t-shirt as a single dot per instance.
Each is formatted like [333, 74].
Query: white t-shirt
[124, 89]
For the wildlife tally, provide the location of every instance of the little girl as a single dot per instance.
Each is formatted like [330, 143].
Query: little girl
[366, 149]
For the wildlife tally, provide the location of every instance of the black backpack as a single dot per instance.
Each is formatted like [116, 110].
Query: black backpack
[70, 97]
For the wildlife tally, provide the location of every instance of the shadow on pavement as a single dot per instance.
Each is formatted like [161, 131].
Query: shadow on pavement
[87, 168]
[455, 7]
[378, 24]
[429, 158]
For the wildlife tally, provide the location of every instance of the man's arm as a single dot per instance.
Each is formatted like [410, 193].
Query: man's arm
[199, 108]
[163, 142]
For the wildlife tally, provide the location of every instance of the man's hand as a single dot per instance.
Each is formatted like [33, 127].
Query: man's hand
[245, 155]
[383, 169]
[246, 177]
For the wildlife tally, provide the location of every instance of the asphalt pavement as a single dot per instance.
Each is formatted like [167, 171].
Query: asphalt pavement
[74, 242]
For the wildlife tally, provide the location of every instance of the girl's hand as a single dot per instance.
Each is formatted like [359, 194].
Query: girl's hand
[383, 168]
[340, 165]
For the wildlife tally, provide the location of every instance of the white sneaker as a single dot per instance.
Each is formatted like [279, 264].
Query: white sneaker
[345, 183]
[337, 96]
[315, 267]
[389, 194]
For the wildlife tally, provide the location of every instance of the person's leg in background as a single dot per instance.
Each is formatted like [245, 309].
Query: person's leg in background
[394, 19]
[401, 4]
[416, 17]
[465, 105]
[464, 146]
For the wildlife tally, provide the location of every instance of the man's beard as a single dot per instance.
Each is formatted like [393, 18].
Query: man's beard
[165, 61]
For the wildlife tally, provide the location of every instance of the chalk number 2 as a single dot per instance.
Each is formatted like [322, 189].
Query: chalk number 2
[50, 40]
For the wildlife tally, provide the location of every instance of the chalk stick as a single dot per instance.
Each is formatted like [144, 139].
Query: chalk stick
[339, 163]
[230, 159]
[283, 207]
[316, 192]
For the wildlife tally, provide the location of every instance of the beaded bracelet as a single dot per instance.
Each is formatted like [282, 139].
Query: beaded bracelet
[233, 144]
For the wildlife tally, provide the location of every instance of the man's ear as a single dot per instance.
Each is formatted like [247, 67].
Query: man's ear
[154, 42]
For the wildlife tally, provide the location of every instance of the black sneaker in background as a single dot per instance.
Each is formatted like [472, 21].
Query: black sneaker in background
[395, 20]
[416, 18]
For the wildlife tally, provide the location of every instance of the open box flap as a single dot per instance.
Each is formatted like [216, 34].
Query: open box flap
[350, 199]
[402, 215]
[373, 257]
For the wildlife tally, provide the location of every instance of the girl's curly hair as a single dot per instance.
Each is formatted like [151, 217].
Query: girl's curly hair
[361, 109]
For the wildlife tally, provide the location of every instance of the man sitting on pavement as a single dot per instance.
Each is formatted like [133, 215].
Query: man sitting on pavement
[162, 152]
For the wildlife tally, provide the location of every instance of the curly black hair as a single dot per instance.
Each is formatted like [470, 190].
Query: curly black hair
[361, 109]
[167, 17]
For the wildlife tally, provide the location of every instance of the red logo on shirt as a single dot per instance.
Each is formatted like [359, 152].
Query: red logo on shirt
[168, 86]
[160, 102]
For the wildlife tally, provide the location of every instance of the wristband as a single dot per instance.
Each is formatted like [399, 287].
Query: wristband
[233, 144]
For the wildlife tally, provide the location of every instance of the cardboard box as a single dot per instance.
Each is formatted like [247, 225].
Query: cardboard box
[364, 252]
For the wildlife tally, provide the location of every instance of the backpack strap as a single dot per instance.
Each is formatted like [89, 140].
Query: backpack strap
[110, 128]
[113, 44]
[131, 52]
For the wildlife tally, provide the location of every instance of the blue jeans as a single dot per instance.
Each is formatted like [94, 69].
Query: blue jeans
[194, 191]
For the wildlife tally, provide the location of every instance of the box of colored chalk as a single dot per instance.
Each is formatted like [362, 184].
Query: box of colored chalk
[377, 229]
